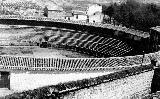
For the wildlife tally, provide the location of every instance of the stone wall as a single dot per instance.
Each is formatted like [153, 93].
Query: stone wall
[132, 78]
[134, 83]
[29, 80]
[132, 87]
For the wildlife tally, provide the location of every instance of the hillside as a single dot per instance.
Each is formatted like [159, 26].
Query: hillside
[69, 2]
[63, 2]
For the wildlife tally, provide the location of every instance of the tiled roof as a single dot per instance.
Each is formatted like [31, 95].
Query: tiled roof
[79, 13]
[75, 9]
[68, 14]
[56, 11]
[80, 8]
[82, 2]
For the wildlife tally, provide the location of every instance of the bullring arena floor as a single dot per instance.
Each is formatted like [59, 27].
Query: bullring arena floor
[35, 51]
[10, 35]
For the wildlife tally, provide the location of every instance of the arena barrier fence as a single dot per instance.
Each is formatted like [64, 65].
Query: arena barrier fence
[75, 64]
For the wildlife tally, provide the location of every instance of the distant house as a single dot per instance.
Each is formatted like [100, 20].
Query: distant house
[68, 12]
[68, 16]
[93, 8]
[54, 11]
[79, 17]
[86, 12]
[80, 13]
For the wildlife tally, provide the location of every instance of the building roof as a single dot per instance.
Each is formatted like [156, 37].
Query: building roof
[56, 11]
[78, 7]
[75, 9]
[81, 2]
[79, 13]
[68, 14]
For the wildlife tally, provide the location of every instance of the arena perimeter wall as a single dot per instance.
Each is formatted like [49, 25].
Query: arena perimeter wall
[131, 82]
[134, 83]
[28, 73]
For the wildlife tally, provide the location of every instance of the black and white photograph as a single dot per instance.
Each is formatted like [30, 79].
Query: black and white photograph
[79, 49]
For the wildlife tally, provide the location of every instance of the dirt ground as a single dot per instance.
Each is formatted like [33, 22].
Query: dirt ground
[16, 35]
[35, 51]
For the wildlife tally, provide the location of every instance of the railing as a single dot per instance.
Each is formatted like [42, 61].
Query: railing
[75, 64]
[109, 26]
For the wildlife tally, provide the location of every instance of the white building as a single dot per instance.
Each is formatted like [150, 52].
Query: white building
[97, 17]
[68, 16]
[55, 11]
[93, 8]
[86, 12]
[79, 17]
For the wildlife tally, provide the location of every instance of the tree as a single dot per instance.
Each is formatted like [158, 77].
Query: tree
[45, 11]
[108, 10]
[136, 15]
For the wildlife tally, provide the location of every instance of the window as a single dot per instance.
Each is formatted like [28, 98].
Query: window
[77, 17]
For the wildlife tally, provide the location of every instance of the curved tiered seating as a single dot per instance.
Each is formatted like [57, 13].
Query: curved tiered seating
[88, 43]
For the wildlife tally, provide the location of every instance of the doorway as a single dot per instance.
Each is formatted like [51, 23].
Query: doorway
[4, 79]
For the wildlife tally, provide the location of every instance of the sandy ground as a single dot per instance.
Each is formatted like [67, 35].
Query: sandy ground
[35, 51]
[10, 35]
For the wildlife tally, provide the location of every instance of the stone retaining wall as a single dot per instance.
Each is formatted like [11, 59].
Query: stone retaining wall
[133, 87]
[134, 83]
[134, 74]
